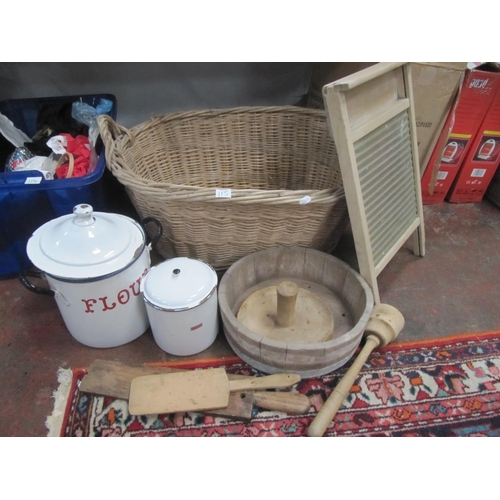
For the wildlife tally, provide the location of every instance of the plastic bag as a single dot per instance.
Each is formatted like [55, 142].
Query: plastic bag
[87, 114]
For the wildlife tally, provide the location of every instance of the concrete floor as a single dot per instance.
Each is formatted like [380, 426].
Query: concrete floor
[454, 289]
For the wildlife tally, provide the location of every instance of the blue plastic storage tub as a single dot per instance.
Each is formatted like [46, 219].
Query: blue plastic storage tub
[25, 207]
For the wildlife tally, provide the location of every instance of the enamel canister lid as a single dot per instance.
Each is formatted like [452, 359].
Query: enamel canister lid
[86, 244]
[179, 284]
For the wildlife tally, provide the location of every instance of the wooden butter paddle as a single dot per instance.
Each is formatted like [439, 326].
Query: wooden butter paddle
[113, 379]
[195, 390]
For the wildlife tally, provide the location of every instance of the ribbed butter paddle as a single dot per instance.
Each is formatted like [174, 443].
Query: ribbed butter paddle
[195, 390]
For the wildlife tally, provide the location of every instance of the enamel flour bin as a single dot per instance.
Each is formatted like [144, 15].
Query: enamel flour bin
[182, 306]
[94, 263]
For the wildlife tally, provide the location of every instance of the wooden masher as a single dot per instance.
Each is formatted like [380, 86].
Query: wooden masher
[384, 325]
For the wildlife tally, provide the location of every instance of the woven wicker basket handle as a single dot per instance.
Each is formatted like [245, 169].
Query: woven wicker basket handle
[71, 159]
[111, 132]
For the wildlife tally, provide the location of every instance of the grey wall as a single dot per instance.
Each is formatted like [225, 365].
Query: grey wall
[146, 89]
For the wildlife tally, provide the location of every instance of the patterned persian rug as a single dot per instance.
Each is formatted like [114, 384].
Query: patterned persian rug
[444, 387]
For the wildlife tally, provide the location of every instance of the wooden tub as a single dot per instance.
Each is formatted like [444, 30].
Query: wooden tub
[345, 292]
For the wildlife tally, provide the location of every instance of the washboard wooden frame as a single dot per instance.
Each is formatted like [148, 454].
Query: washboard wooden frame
[371, 118]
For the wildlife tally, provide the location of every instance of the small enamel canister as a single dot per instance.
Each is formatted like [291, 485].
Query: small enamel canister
[182, 306]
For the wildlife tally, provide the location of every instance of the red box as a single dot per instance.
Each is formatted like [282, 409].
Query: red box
[481, 163]
[478, 91]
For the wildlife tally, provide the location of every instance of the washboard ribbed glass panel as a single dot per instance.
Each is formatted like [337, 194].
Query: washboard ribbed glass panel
[387, 181]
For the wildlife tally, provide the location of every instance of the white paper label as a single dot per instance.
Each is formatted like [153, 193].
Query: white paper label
[33, 180]
[305, 200]
[478, 172]
[442, 175]
[223, 193]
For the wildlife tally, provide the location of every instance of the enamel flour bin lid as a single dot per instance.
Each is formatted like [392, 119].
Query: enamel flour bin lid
[181, 301]
[86, 244]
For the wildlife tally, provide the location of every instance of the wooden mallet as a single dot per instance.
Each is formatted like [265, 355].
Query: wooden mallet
[384, 325]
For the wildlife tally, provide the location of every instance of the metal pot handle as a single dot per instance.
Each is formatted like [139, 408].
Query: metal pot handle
[30, 286]
[159, 229]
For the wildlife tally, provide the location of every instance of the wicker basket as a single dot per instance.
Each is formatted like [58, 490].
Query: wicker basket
[279, 163]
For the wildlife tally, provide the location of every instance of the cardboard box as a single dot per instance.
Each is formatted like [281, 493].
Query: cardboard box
[481, 163]
[476, 96]
[435, 86]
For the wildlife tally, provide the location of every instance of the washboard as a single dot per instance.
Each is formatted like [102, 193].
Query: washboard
[371, 118]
